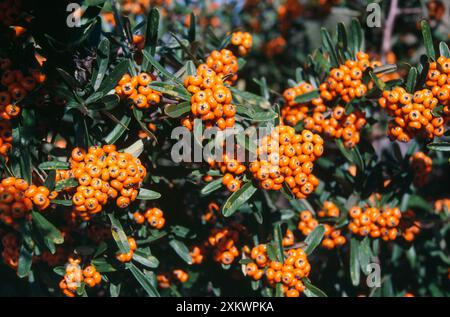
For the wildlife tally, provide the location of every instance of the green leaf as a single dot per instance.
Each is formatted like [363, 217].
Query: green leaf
[237, 199]
[62, 202]
[25, 261]
[54, 165]
[181, 231]
[439, 146]
[278, 239]
[118, 130]
[412, 79]
[255, 114]
[342, 36]
[114, 290]
[176, 91]
[346, 152]
[278, 290]
[256, 285]
[47, 229]
[311, 290]
[66, 183]
[385, 69]
[178, 109]
[191, 70]
[151, 38]
[248, 98]
[307, 97]
[102, 266]
[271, 252]
[181, 249]
[329, 47]
[101, 62]
[147, 194]
[357, 36]
[364, 255]
[354, 262]
[444, 50]
[94, 2]
[428, 39]
[60, 270]
[314, 239]
[68, 79]
[101, 248]
[114, 76]
[50, 180]
[212, 186]
[143, 280]
[145, 259]
[416, 201]
[119, 235]
[160, 68]
[378, 82]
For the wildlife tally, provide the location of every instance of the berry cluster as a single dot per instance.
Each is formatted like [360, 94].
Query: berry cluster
[338, 125]
[288, 11]
[74, 276]
[289, 273]
[275, 46]
[441, 205]
[333, 237]
[15, 86]
[410, 233]
[223, 241]
[11, 247]
[307, 223]
[139, 41]
[225, 64]
[126, 257]
[103, 173]
[293, 112]
[346, 80]
[165, 279]
[330, 210]
[243, 41]
[197, 254]
[210, 215]
[154, 216]
[288, 239]
[375, 222]
[17, 199]
[410, 227]
[91, 276]
[422, 167]
[231, 170]
[412, 114]
[136, 89]
[438, 80]
[211, 100]
[285, 156]
[5, 137]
